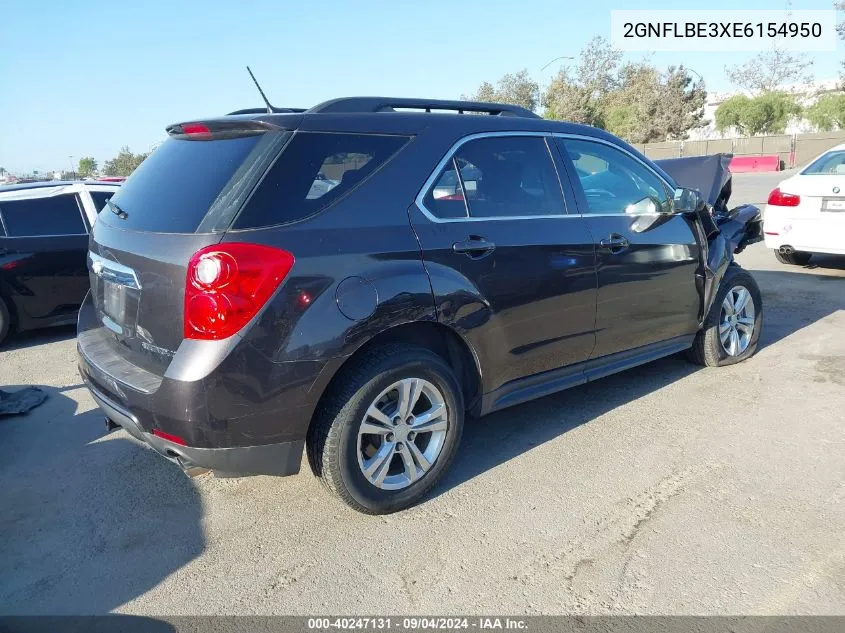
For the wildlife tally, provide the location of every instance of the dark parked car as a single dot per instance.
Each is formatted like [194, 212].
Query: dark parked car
[459, 265]
[43, 246]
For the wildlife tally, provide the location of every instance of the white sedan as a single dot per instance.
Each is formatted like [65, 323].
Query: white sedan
[805, 214]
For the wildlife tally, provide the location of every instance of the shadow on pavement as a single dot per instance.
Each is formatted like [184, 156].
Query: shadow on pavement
[827, 262]
[793, 299]
[88, 521]
[31, 338]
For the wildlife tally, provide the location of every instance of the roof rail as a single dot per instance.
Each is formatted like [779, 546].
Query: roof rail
[390, 104]
[264, 111]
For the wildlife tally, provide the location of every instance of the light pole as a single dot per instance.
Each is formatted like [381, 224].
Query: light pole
[696, 73]
[550, 62]
[71, 172]
[546, 65]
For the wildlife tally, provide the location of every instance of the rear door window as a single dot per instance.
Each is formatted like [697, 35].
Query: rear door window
[38, 217]
[313, 171]
[500, 177]
[182, 181]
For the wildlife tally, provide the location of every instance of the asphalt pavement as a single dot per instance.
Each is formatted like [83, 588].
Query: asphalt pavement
[667, 489]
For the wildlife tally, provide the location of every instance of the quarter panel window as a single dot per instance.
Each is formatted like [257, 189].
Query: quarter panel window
[446, 198]
[497, 177]
[613, 181]
[313, 171]
[54, 215]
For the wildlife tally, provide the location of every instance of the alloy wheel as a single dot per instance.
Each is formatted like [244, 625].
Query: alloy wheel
[736, 321]
[402, 433]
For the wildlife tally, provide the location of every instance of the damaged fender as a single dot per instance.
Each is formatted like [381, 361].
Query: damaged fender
[721, 232]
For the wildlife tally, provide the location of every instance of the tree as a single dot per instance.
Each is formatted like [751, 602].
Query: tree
[840, 29]
[770, 70]
[2, 171]
[828, 113]
[580, 96]
[87, 167]
[768, 113]
[635, 101]
[514, 88]
[124, 163]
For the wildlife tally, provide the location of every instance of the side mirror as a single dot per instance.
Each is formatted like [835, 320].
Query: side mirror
[687, 200]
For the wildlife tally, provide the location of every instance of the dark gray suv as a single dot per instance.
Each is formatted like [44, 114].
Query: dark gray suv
[359, 277]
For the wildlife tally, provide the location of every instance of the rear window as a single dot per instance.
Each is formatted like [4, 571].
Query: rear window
[316, 169]
[830, 163]
[55, 215]
[174, 189]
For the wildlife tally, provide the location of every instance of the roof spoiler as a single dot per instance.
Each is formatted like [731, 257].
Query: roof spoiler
[264, 111]
[219, 129]
[390, 104]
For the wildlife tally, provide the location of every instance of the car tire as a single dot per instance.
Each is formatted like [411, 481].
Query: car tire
[724, 339]
[372, 472]
[795, 258]
[5, 321]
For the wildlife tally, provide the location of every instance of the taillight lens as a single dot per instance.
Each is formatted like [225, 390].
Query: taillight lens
[227, 284]
[169, 437]
[780, 199]
[198, 130]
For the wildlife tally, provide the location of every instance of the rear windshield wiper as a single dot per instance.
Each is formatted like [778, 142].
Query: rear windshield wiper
[117, 210]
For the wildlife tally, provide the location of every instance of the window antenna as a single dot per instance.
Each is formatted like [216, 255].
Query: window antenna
[270, 108]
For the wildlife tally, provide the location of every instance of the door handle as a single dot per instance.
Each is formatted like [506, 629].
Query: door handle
[615, 242]
[475, 247]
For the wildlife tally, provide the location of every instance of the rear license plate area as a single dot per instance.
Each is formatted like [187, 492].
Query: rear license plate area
[833, 205]
[114, 301]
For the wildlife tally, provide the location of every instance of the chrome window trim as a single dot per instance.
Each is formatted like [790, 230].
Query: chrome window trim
[449, 155]
[112, 271]
[430, 181]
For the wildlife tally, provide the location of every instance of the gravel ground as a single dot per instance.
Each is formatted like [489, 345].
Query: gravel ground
[668, 489]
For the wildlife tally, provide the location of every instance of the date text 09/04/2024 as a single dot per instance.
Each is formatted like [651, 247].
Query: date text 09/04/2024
[416, 623]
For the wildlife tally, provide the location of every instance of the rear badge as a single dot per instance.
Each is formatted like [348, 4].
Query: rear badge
[836, 190]
[155, 349]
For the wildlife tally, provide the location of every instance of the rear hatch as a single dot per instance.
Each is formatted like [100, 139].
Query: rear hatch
[179, 200]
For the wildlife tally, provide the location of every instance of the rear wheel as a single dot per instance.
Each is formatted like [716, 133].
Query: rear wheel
[5, 321]
[388, 429]
[731, 332]
[795, 258]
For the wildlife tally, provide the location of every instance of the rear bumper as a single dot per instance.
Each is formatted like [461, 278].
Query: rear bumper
[270, 459]
[802, 245]
[237, 411]
[821, 233]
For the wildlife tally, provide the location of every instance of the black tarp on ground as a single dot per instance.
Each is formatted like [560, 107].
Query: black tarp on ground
[17, 402]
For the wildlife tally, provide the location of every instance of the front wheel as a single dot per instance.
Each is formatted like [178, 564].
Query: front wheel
[795, 258]
[731, 332]
[388, 429]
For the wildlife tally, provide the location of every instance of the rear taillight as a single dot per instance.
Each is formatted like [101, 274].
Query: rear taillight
[780, 199]
[227, 284]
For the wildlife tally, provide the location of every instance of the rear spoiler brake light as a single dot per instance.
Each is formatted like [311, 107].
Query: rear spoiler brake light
[211, 130]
